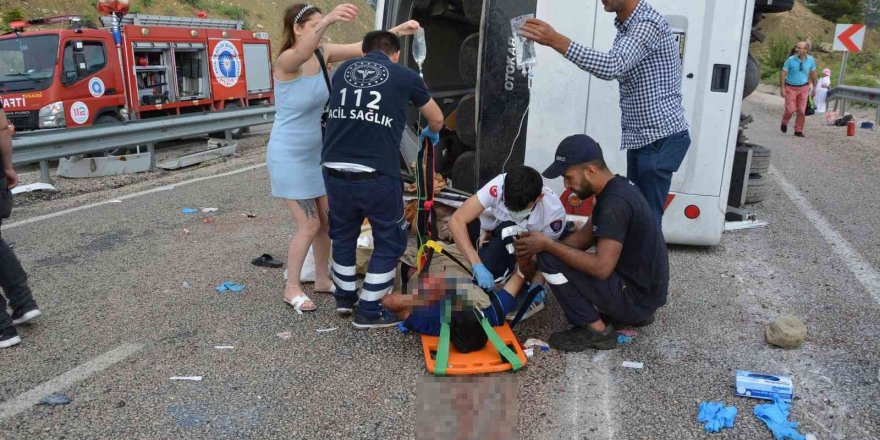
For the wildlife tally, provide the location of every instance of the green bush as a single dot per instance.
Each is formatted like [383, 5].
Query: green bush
[14, 14]
[194, 3]
[147, 3]
[774, 56]
[233, 12]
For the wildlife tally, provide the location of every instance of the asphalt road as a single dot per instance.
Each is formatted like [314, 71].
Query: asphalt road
[129, 302]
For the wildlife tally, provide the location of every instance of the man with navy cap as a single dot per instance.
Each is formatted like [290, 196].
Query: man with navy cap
[626, 278]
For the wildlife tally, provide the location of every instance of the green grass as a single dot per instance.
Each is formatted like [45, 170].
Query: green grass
[233, 12]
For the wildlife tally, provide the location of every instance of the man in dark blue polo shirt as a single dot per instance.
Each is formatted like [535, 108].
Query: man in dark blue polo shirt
[627, 277]
[361, 170]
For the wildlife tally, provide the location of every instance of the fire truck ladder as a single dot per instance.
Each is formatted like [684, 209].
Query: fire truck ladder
[162, 20]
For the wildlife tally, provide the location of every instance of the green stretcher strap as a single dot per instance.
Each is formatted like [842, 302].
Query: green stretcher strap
[442, 360]
[504, 350]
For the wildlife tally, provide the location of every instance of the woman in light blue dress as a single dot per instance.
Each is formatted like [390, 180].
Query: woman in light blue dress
[294, 149]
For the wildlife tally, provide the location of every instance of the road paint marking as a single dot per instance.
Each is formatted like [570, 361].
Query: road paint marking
[857, 264]
[128, 196]
[23, 401]
[588, 398]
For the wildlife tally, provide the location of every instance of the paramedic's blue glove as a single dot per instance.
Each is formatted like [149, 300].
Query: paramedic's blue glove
[483, 276]
[427, 133]
[775, 415]
[716, 416]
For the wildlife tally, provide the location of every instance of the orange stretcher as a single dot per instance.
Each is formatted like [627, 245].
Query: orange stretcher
[487, 360]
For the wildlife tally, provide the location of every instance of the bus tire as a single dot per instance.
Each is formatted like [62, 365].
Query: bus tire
[760, 159]
[464, 173]
[771, 6]
[757, 190]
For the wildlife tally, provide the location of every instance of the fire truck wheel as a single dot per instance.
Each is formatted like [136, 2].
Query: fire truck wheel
[757, 190]
[108, 118]
[237, 133]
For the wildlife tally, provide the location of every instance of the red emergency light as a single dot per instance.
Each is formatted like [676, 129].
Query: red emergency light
[20, 25]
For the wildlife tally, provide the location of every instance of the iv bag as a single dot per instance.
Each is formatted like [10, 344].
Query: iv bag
[525, 48]
[419, 47]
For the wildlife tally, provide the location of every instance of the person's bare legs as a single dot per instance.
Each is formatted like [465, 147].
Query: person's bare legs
[321, 245]
[305, 214]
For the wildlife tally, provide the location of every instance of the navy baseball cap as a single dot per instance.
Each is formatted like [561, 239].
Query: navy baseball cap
[573, 150]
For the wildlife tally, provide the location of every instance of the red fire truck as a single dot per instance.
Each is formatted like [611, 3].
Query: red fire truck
[163, 66]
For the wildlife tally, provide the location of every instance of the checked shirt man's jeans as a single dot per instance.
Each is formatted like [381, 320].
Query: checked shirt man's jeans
[651, 168]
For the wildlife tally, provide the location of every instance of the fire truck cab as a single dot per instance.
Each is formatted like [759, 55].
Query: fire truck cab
[164, 66]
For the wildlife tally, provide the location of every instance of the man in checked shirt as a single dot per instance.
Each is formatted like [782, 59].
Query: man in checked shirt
[645, 60]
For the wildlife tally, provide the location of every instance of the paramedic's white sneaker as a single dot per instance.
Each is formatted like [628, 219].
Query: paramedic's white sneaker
[9, 337]
[536, 306]
[25, 317]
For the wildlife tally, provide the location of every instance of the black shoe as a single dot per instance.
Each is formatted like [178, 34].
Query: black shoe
[345, 306]
[582, 337]
[22, 316]
[9, 337]
[799, 134]
[376, 320]
[620, 324]
[784, 128]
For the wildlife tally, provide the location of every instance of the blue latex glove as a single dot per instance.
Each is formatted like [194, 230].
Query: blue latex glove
[716, 416]
[775, 416]
[427, 133]
[229, 286]
[483, 276]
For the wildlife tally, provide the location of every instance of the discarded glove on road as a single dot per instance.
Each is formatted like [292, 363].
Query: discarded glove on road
[775, 415]
[229, 286]
[716, 416]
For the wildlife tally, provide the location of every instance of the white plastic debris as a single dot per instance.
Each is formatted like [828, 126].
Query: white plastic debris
[748, 224]
[324, 330]
[529, 352]
[186, 285]
[39, 186]
[224, 347]
[600, 357]
[284, 335]
[810, 437]
[207, 210]
[636, 365]
[190, 378]
[530, 343]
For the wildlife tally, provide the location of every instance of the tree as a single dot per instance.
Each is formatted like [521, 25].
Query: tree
[872, 13]
[840, 11]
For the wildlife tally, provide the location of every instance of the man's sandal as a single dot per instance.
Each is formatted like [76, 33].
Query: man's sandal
[298, 301]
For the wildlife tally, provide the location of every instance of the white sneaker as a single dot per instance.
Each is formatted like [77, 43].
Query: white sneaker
[27, 316]
[536, 306]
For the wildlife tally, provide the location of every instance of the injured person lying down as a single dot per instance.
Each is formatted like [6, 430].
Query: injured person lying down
[422, 310]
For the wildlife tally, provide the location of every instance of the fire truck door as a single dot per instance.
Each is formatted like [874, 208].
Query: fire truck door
[89, 81]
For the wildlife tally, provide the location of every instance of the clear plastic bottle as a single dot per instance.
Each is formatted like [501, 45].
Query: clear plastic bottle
[419, 48]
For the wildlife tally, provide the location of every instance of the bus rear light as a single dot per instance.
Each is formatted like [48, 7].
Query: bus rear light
[692, 212]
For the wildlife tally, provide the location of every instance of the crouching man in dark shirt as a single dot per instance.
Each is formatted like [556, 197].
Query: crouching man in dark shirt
[626, 278]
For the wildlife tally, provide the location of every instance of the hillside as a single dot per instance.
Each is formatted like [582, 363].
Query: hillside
[265, 15]
[783, 30]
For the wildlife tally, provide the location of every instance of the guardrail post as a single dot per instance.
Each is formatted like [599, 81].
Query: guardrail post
[44, 172]
[151, 148]
[228, 135]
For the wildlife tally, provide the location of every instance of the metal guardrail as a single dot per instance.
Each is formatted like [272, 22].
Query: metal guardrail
[41, 146]
[864, 95]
